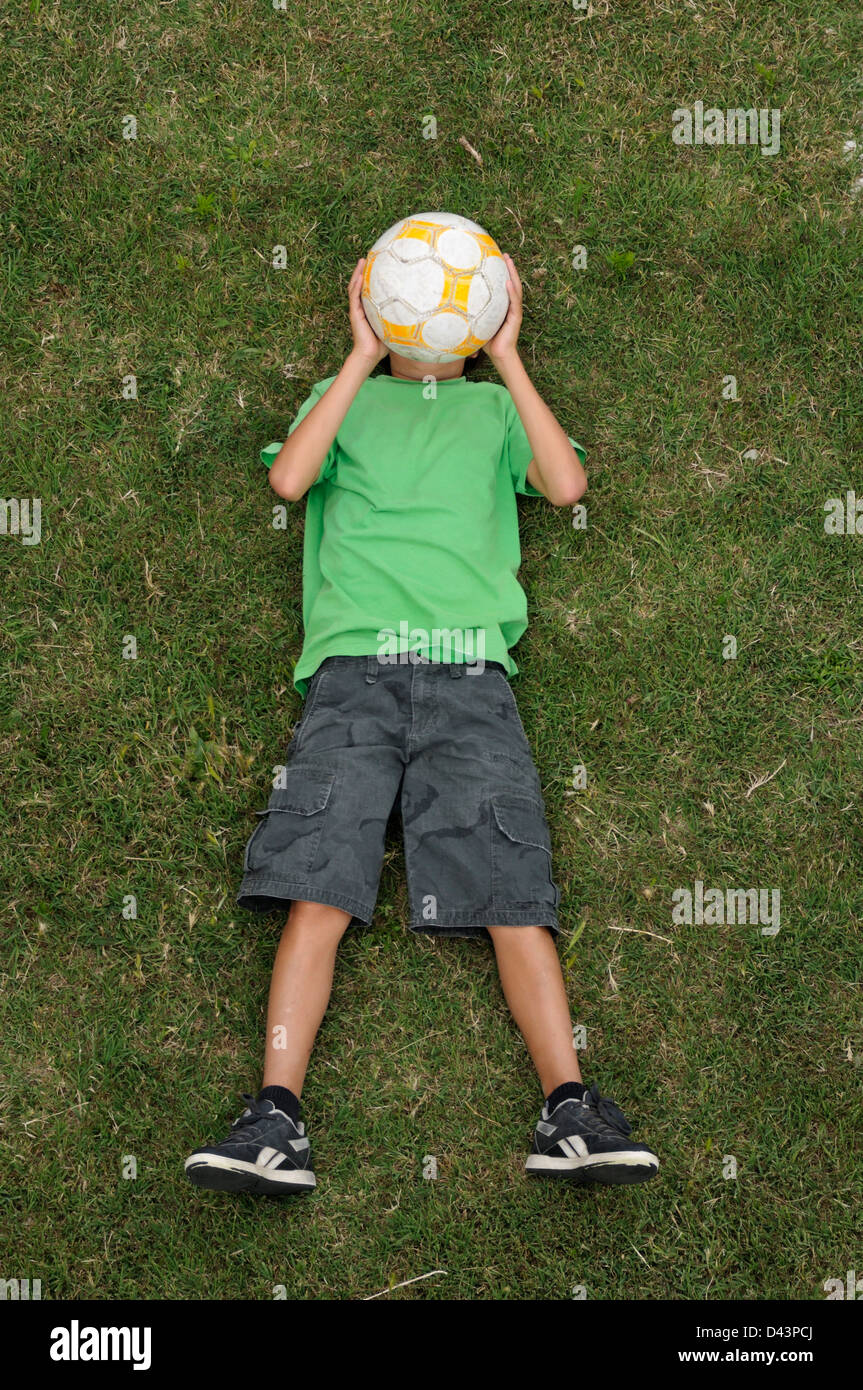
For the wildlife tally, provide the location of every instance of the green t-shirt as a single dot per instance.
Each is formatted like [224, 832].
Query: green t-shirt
[411, 537]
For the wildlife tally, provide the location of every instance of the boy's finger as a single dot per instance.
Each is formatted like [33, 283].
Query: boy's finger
[514, 275]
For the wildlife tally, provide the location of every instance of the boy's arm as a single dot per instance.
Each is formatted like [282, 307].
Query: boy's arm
[554, 470]
[301, 457]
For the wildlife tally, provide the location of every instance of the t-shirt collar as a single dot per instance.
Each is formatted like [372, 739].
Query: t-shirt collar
[418, 381]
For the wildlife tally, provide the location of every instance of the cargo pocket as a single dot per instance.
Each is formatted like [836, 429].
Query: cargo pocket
[311, 700]
[521, 854]
[511, 701]
[285, 842]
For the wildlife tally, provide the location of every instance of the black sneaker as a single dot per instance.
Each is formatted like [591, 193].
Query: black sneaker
[265, 1152]
[585, 1141]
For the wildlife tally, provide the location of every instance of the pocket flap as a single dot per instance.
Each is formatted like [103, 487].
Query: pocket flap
[521, 819]
[305, 795]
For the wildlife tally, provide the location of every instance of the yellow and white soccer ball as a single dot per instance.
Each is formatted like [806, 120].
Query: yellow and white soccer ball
[434, 287]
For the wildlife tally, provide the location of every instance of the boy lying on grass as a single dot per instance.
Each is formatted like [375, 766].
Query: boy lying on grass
[411, 541]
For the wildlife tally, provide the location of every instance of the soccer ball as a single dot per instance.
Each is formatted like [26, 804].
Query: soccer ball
[434, 287]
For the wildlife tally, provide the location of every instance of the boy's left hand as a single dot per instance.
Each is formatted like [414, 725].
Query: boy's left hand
[503, 344]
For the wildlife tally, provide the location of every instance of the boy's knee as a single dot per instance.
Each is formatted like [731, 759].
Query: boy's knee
[321, 919]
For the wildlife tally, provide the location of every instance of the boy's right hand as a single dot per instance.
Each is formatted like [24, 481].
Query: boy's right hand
[367, 345]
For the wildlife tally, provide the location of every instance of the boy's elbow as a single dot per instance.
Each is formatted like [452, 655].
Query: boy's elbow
[286, 488]
[571, 493]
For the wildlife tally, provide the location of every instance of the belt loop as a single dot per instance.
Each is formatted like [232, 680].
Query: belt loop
[371, 669]
[455, 669]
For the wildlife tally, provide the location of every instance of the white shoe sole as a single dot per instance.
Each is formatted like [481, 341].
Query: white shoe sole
[622, 1166]
[236, 1175]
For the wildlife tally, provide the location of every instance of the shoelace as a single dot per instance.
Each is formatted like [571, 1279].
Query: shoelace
[607, 1110]
[251, 1117]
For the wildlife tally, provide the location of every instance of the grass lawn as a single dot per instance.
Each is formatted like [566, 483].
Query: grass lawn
[152, 257]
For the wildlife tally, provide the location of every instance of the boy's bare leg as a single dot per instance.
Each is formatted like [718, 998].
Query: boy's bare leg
[586, 1136]
[300, 990]
[268, 1149]
[532, 982]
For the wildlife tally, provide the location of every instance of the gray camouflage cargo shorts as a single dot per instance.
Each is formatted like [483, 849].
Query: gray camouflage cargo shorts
[447, 740]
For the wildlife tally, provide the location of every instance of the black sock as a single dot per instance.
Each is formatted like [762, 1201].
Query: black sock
[570, 1090]
[282, 1099]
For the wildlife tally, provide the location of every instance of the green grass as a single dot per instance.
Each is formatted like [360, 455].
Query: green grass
[141, 777]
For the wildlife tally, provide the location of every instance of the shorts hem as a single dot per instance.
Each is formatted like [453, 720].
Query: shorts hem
[269, 894]
[463, 924]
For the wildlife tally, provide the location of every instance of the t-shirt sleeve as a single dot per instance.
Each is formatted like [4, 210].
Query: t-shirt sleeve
[329, 463]
[519, 453]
